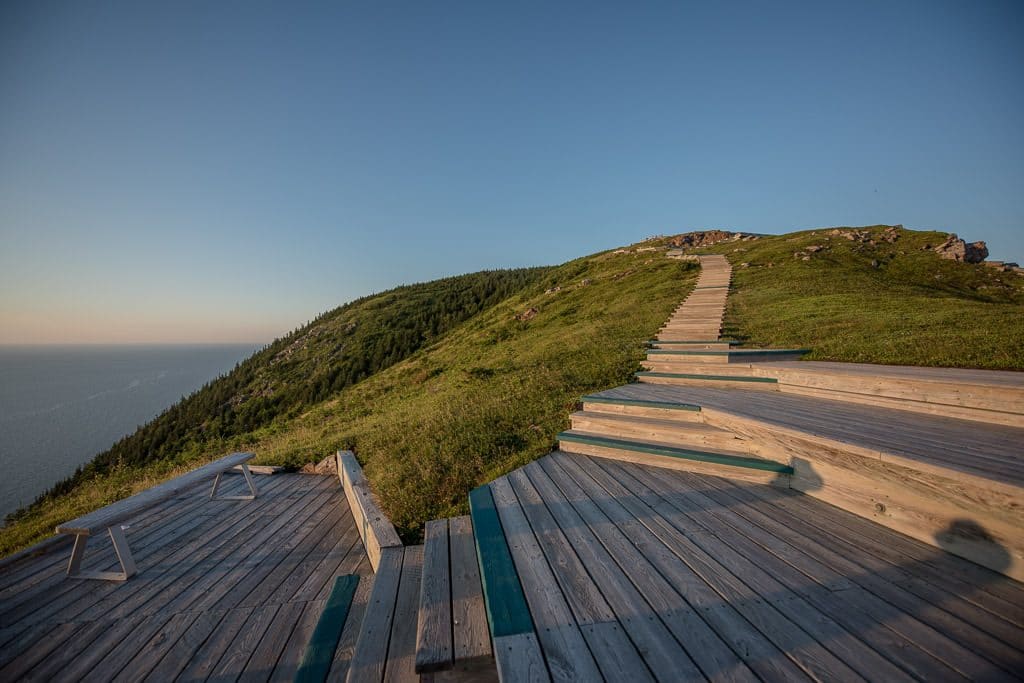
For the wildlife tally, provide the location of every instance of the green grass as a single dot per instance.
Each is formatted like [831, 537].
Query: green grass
[914, 308]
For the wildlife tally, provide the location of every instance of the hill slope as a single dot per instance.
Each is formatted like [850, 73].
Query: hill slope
[478, 391]
[869, 300]
[445, 385]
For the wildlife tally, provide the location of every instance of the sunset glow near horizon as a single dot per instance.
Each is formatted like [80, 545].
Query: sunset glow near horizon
[225, 172]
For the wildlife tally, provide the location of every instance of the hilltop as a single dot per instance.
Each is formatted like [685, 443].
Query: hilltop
[444, 385]
[880, 294]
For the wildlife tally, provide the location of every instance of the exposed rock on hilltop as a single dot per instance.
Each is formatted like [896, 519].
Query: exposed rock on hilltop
[958, 250]
[707, 238]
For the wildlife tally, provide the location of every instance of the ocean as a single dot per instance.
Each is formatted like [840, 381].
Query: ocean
[62, 405]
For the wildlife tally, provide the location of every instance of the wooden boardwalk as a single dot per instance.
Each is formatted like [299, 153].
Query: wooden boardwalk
[994, 452]
[226, 590]
[636, 573]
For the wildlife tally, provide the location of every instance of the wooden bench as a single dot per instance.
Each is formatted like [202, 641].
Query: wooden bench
[452, 633]
[109, 518]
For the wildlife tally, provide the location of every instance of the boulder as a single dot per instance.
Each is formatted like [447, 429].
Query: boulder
[327, 466]
[957, 249]
[528, 314]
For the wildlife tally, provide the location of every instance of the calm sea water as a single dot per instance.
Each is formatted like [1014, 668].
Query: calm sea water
[60, 406]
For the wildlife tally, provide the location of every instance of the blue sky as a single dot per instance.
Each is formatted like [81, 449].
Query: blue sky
[197, 171]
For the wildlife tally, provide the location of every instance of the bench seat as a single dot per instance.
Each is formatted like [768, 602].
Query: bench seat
[108, 518]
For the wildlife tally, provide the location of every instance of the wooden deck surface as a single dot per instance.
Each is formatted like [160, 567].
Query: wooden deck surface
[991, 451]
[226, 590]
[642, 573]
[996, 378]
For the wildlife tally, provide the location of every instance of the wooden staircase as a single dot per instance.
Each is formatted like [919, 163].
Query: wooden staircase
[933, 453]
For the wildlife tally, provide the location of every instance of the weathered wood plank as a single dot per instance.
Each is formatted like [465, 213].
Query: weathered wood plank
[374, 527]
[65, 597]
[471, 637]
[184, 650]
[370, 656]
[878, 594]
[823, 588]
[747, 642]
[42, 580]
[331, 547]
[38, 650]
[401, 664]
[434, 638]
[265, 657]
[702, 645]
[588, 604]
[287, 667]
[316, 660]
[350, 635]
[507, 611]
[153, 650]
[616, 656]
[660, 650]
[565, 650]
[800, 646]
[244, 644]
[120, 652]
[764, 586]
[519, 659]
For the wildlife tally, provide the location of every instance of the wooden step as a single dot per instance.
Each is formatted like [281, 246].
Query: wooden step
[684, 434]
[680, 412]
[673, 457]
[937, 501]
[516, 648]
[953, 484]
[696, 330]
[984, 396]
[726, 356]
[702, 346]
[697, 345]
[657, 377]
[452, 632]
[387, 636]
[658, 342]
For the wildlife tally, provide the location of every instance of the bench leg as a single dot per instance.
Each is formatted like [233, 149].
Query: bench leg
[124, 556]
[248, 480]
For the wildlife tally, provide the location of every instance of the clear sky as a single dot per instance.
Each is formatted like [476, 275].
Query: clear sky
[220, 171]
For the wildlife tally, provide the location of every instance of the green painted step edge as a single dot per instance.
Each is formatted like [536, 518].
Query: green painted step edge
[682, 453]
[640, 402]
[507, 611]
[730, 342]
[316, 661]
[731, 352]
[725, 378]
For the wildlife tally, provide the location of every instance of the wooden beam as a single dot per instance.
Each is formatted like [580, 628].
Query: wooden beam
[374, 527]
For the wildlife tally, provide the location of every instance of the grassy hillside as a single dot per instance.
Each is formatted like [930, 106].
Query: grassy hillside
[442, 386]
[887, 302]
[437, 386]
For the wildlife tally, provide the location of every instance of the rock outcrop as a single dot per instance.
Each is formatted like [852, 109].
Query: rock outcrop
[706, 238]
[957, 249]
[328, 465]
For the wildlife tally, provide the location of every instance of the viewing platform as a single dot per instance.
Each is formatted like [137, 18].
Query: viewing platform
[730, 517]
[225, 590]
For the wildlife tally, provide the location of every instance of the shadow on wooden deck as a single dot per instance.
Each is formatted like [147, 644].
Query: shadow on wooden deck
[694, 576]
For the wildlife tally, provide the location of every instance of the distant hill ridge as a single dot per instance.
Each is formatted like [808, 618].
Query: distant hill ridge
[443, 385]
